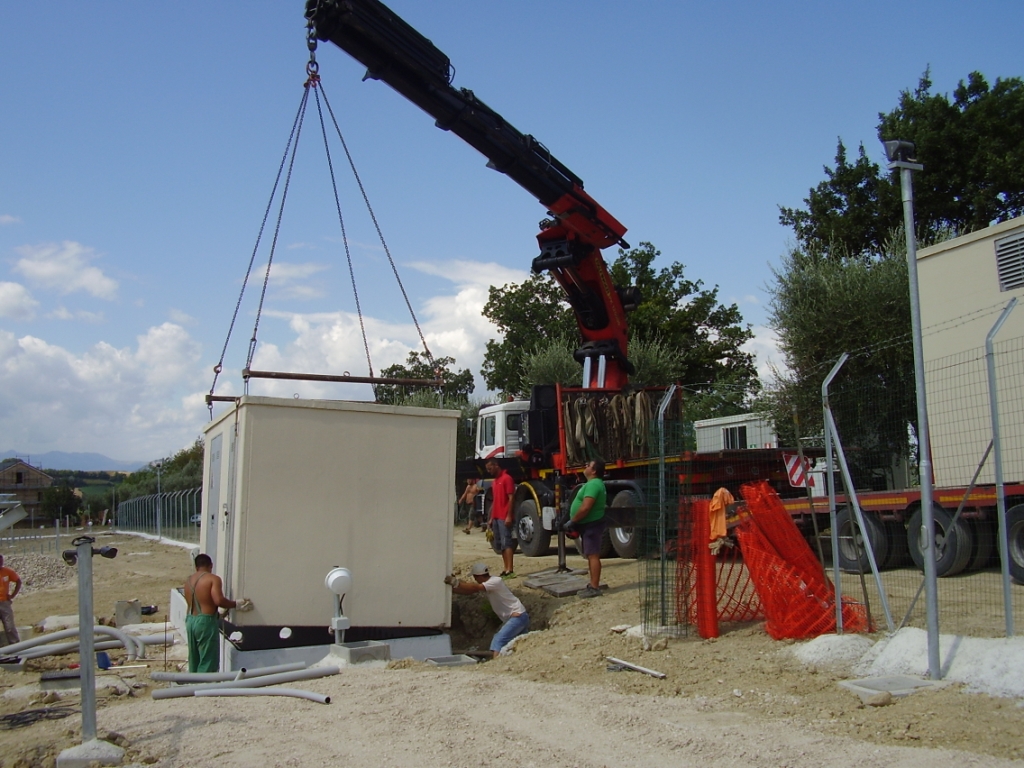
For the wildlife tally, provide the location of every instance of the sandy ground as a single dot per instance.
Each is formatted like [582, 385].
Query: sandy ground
[741, 700]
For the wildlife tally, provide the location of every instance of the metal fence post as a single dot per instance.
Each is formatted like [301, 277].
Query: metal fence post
[993, 400]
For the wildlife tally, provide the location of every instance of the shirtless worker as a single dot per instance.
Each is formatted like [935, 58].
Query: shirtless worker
[204, 594]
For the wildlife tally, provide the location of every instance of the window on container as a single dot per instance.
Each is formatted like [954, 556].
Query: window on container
[1010, 261]
[487, 425]
[734, 438]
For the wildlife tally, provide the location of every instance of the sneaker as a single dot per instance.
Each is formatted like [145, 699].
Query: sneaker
[508, 575]
[589, 591]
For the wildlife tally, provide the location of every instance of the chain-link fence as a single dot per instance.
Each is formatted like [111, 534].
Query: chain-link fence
[875, 426]
[883, 461]
[174, 515]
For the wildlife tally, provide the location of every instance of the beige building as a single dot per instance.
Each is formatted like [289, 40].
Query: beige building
[27, 484]
[965, 284]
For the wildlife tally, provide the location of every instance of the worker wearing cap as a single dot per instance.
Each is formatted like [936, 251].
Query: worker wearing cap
[10, 586]
[515, 620]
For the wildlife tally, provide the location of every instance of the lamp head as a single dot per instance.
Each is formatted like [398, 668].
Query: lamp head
[900, 151]
[338, 580]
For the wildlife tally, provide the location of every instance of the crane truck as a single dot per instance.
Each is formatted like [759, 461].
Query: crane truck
[546, 442]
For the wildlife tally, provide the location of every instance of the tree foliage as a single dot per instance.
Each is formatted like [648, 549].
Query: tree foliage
[845, 287]
[181, 472]
[456, 389]
[59, 501]
[972, 149]
[679, 331]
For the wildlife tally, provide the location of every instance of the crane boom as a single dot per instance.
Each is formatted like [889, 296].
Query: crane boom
[571, 241]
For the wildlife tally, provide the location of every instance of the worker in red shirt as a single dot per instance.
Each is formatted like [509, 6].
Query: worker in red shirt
[10, 586]
[502, 515]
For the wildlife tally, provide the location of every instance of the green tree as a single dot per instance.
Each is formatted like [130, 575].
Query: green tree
[821, 307]
[457, 388]
[181, 472]
[528, 316]
[678, 332]
[60, 501]
[972, 149]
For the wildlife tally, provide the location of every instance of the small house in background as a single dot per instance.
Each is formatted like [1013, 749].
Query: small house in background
[26, 483]
[734, 433]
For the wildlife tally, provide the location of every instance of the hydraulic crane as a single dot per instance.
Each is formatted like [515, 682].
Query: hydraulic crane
[578, 229]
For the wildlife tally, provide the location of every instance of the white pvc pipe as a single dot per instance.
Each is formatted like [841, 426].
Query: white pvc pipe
[133, 645]
[253, 682]
[319, 698]
[220, 677]
[58, 649]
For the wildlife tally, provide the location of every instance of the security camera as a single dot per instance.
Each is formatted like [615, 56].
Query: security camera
[70, 556]
[900, 151]
[108, 552]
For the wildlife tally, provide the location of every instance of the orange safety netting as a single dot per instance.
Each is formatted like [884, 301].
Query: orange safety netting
[712, 588]
[798, 598]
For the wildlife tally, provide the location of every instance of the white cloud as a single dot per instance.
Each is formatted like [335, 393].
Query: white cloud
[765, 347]
[63, 313]
[6, 218]
[16, 302]
[125, 403]
[285, 272]
[65, 268]
[181, 318]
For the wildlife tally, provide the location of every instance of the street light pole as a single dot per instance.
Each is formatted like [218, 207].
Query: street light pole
[901, 155]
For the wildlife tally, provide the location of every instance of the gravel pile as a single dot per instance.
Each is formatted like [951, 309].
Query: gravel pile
[39, 571]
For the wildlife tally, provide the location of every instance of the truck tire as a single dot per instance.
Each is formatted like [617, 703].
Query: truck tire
[959, 542]
[624, 540]
[899, 551]
[984, 544]
[853, 558]
[534, 541]
[1015, 542]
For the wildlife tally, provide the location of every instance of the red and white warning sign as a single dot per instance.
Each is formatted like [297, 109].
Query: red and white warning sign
[799, 471]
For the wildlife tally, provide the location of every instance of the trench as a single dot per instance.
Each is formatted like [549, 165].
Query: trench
[474, 622]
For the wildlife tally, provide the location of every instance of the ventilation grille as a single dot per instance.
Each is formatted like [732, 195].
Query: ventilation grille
[1010, 261]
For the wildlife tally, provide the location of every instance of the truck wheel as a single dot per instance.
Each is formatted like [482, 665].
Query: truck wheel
[533, 539]
[1015, 542]
[899, 552]
[984, 544]
[959, 542]
[624, 540]
[853, 558]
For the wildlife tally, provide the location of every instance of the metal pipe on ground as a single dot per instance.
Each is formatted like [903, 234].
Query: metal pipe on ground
[220, 677]
[319, 698]
[253, 682]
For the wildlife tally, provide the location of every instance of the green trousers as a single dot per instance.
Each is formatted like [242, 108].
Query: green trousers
[203, 648]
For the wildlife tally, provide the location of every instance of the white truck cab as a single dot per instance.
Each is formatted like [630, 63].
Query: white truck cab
[497, 429]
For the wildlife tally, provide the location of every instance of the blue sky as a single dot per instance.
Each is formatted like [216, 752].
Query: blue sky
[139, 142]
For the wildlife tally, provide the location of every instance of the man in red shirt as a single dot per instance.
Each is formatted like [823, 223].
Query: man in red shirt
[10, 586]
[502, 515]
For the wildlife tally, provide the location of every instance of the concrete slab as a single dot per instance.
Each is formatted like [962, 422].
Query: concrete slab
[895, 685]
[566, 588]
[90, 753]
[458, 660]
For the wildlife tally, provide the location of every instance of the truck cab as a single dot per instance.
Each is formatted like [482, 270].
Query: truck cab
[498, 429]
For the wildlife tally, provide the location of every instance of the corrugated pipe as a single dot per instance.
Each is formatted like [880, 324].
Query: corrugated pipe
[133, 645]
[253, 682]
[220, 677]
[319, 698]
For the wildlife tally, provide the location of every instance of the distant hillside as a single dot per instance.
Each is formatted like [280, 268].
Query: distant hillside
[85, 462]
